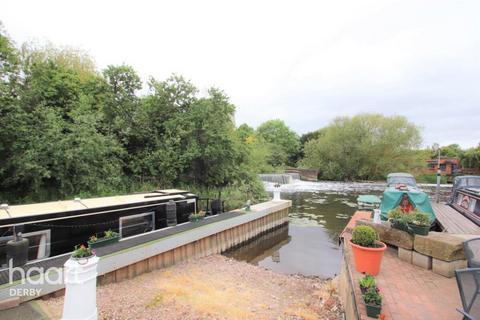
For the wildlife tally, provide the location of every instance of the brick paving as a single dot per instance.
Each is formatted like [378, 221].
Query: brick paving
[409, 292]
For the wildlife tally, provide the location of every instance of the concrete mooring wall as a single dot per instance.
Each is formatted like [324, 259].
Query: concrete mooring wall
[163, 248]
[212, 244]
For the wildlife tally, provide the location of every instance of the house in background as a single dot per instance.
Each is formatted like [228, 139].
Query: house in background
[448, 166]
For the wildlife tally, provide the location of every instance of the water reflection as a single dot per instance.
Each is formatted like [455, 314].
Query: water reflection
[309, 244]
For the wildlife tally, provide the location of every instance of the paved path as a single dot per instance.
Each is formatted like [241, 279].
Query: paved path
[409, 292]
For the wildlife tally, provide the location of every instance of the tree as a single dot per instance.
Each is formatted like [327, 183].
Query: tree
[470, 158]
[284, 143]
[258, 150]
[366, 146]
[70, 130]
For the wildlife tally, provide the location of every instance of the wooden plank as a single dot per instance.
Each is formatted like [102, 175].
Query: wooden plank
[453, 221]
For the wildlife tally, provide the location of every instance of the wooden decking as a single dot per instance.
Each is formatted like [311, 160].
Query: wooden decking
[453, 221]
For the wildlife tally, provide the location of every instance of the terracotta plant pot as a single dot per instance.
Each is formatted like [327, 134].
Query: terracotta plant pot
[368, 260]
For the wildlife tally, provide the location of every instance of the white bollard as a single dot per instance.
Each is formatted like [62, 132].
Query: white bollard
[276, 194]
[80, 289]
[376, 216]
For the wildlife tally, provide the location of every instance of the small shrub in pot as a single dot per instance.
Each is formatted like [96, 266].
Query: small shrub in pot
[367, 250]
[365, 236]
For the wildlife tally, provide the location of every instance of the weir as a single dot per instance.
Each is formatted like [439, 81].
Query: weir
[281, 178]
[158, 249]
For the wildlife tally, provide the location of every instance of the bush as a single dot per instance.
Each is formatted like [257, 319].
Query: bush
[364, 236]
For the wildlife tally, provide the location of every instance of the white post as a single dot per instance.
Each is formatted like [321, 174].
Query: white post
[80, 289]
[376, 216]
[276, 193]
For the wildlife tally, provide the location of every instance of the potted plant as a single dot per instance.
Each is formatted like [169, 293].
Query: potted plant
[419, 223]
[397, 219]
[109, 237]
[415, 222]
[367, 250]
[82, 252]
[373, 302]
[366, 282]
[197, 216]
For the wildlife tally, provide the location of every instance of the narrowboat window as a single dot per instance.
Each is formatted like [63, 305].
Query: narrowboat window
[38, 244]
[137, 224]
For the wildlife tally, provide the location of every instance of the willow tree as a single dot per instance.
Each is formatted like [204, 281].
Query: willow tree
[366, 146]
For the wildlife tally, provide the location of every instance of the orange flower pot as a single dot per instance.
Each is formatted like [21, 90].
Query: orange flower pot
[368, 260]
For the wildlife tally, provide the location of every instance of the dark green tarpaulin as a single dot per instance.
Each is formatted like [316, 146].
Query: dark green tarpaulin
[392, 197]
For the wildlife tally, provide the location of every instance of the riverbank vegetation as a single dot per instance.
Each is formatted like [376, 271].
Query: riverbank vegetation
[366, 147]
[69, 129]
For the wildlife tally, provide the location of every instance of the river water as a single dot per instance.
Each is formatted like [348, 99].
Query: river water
[309, 244]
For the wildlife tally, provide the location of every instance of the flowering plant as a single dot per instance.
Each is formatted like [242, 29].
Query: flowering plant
[82, 252]
[373, 297]
[366, 282]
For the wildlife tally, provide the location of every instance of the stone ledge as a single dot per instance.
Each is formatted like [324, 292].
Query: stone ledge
[441, 246]
[389, 235]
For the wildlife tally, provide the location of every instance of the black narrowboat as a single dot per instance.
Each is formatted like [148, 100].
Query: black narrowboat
[466, 197]
[54, 228]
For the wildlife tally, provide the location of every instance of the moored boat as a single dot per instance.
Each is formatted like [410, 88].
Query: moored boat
[402, 191]
[465, 197]
[54, 228]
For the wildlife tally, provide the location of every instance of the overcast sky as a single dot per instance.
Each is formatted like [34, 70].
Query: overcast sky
[302, 62]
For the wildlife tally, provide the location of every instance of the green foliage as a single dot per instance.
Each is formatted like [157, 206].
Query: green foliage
[364, 236]
[366, 146]
[284, 143]
[82, 252]
[430, 178]
[470, 158]
[367, 282]
[416, 217]
[396, 213]
[110, 234]
[373, 297]
[70, 130]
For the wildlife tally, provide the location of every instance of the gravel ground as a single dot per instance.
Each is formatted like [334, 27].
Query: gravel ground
[214, 287]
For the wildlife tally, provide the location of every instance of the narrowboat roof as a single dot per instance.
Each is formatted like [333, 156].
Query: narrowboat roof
[92, 203]
[399, 174]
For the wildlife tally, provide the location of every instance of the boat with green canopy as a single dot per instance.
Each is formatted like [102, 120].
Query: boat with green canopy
[403, 193]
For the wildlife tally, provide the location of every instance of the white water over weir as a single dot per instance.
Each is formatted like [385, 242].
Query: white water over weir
[281, 178]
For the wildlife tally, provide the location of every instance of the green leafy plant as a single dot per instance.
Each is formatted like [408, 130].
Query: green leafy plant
[418, 218]
[365, 236]
[110, 234]
[82, 251]
[401, 219]
[367, 282]
[395, 214]
[373, 297]
[197, 216]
